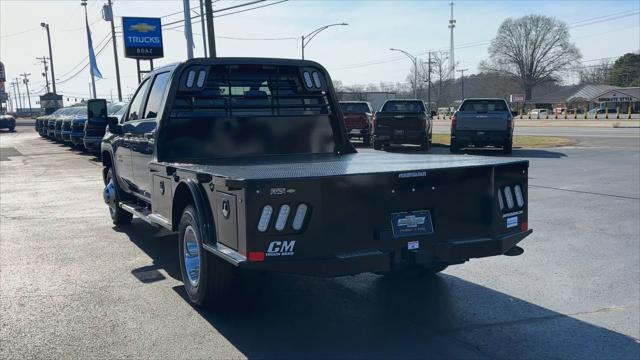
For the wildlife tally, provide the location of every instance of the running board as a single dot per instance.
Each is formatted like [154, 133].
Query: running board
[226, 253]
[144, 214]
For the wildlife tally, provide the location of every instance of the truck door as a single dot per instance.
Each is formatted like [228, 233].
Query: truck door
[144, 135]
[126, 142]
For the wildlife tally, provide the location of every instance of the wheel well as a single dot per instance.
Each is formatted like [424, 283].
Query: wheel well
[181, 199]
[106, 159]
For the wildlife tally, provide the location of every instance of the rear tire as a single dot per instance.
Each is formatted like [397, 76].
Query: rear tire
[426, 144]
[112, 199]
[366, 140]
[377, 145]
[454, 147]
[207, 279]
[508, 147]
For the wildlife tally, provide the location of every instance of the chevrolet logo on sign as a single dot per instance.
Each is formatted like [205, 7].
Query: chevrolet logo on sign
[142, 27]
[411, 221]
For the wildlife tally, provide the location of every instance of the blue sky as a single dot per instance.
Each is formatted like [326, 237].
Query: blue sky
[355, 54]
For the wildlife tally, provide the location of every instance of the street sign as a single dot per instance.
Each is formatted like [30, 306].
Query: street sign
[516, 98]
[142, 38]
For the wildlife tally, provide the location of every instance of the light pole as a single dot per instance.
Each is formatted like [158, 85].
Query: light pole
[415, 70]
[53, 74]
[307, 38]
[461, 71]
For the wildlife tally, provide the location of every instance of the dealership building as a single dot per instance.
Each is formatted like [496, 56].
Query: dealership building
[583, 98]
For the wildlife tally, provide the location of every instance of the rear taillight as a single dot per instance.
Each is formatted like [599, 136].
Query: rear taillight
[509, 123]
[373, 121]
[453, 121]
[511, 198]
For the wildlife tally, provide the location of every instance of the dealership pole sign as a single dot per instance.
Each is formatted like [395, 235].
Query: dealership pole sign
[142, 38]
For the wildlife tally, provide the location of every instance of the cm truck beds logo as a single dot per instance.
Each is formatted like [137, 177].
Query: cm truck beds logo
[281, 248]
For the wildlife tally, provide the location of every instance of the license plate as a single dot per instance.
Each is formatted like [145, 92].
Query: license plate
[411, 223]
[398, 132]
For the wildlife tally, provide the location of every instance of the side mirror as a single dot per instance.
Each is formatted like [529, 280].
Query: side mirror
[433, 113]
[514, 113]
[96, 108]
[114, 126]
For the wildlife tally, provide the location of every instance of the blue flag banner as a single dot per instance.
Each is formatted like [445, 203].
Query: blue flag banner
[92, 56]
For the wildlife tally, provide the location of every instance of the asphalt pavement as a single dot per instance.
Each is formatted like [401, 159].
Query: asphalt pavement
[74, 286]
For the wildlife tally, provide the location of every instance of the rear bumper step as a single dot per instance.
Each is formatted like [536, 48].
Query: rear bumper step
[452, 252]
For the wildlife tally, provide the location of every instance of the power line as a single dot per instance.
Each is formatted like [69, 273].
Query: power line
[100, 43]
[253, 8]
[227, 14]
[581, 23]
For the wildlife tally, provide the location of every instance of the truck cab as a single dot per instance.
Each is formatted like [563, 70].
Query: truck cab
[249, 161]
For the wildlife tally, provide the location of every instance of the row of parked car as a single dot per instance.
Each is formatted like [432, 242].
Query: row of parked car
[476, 123]
[70, 125]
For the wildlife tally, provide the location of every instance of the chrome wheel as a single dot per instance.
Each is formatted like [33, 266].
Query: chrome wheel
[109, 196]
[191, 255]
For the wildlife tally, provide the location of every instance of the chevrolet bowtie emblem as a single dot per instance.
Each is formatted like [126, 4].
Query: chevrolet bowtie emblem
[411, 221]
[142, 27]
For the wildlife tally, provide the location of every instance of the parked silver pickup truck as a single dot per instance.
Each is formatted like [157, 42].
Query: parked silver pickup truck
[482, 122]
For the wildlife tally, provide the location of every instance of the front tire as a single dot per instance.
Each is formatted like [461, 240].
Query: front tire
[377, 145]
[207, 279]
[112, 199]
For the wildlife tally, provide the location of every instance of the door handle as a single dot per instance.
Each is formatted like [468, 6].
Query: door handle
[127, 135]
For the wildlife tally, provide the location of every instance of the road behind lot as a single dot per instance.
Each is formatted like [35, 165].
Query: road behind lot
[73, 285]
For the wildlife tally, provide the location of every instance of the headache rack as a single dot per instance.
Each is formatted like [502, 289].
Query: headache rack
[248, 90]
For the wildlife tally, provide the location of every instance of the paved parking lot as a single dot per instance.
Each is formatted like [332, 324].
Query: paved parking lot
[73, 285]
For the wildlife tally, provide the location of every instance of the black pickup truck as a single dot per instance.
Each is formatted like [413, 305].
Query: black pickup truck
[403, 122]
[248, 159]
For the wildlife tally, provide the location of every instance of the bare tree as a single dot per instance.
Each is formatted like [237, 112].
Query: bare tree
[533, 49]
[420, 78]
[439, 77]
[595, 74]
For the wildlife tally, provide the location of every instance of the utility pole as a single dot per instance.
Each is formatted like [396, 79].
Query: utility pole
[44, 61]
[86, 19]
[53, 74]
[429, 83]
[461, 71]
[107, 14]
[204, 30]
[452, 62]
[211, 36]
[188, 33]
[16, 83]
[13, 97]
[26, 84]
